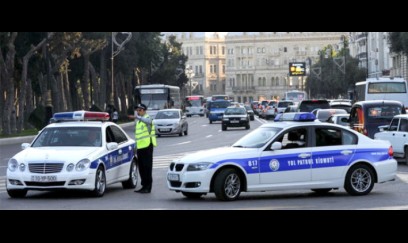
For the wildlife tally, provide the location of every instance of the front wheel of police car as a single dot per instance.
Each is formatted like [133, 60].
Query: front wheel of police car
[227, 185]
[133, 177]
[100, 182]
[359, 180]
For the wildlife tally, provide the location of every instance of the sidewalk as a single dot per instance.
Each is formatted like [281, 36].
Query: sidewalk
[29, 139]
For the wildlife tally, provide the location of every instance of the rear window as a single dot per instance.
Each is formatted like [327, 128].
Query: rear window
[384, 111]
[310, 105]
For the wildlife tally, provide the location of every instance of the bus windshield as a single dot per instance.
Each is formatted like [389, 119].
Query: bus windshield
[194, 101]
[295, 95]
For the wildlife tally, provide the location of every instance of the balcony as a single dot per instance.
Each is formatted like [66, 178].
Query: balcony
[243, 89]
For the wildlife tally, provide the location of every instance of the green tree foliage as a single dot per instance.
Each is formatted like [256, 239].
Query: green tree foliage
[398, 42]
[334, 79]
[76, 68]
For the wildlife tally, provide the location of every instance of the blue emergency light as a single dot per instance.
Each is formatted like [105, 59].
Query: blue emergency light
[80, 116]
[295, 116]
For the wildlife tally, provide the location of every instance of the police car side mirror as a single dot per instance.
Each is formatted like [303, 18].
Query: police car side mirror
[25, 145]
[112, 146]
[383, 128]
[276, 146]
[344, 119]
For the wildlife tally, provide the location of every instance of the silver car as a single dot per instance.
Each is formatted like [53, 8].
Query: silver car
[170, 121]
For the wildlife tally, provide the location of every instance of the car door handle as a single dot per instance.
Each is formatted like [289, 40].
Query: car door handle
[346, 152]
[304, 156]
[120, 151]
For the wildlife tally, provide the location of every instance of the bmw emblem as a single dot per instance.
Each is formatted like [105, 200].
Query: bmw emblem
[274, 165]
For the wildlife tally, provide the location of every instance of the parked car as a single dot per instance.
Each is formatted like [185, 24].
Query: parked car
[397, 134]
[324, 114]
[170, 122]
[250, 112]
[81, 151]
[286, 156]
[340, 119]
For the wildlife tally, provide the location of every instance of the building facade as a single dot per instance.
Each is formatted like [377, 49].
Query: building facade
[206, 56]
[257, 63]
[372, 50]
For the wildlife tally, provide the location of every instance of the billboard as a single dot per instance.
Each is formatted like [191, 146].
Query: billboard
[297, 69]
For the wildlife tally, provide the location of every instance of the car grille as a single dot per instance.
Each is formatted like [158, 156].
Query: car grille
[45, 168]
[179, 167]
[45, 184]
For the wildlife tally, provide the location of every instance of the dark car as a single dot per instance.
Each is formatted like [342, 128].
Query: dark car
[310, 105]
[367, 116]
[235, 116]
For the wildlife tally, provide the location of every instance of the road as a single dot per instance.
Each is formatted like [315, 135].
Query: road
[202, 136]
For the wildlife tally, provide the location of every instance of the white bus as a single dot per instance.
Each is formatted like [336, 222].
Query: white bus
[295, 95]
[157, 97]
[382, 89]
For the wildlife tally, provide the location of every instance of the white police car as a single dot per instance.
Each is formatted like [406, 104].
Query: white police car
[287, 155]
[74, 153]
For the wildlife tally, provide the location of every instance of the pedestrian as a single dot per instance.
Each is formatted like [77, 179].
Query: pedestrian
[115, 116]
[145, 135]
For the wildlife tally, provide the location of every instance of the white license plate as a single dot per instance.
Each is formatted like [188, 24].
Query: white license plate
[43, 178]
[173, 177]
[165, 130]
[234, 121]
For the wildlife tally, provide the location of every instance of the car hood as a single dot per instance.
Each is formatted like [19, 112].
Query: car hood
[218, 154]
[52, 154]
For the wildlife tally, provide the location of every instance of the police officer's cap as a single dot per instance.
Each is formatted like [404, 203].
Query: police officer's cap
[141, 106]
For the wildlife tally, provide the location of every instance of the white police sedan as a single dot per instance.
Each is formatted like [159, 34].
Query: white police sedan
[80, 150]
[284, 156]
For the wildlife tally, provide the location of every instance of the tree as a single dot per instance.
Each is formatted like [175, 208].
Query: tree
[398, 42]
[339, 73]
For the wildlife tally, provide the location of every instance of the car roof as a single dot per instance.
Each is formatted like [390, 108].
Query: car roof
[376, 102]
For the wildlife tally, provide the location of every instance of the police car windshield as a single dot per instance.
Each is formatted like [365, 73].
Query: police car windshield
[69, 136]
[257, 138]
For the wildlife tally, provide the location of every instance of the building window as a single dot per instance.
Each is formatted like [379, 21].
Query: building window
[201, 69]
[215, 68]
[223, 50]
[211, 68]
[196, 69]
[223, 69]
[201, 50]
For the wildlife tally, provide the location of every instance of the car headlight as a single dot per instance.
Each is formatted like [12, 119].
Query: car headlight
[243, 118]
[198, 166]
[82, 165]
[12, 165]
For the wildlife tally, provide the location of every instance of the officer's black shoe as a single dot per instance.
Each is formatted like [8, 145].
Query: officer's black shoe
[143, 190]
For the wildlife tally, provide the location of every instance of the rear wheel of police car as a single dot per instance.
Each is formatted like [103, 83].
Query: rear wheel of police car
[227, 185]
[359, 180]
[131, 183]
[17, 193]
[100, 183]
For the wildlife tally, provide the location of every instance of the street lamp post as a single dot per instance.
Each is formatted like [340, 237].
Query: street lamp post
[119, 47]
[190, 74]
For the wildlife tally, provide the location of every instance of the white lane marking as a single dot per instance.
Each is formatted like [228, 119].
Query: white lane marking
[208, 136]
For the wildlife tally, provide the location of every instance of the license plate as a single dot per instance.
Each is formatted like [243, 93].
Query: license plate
[43, 178]
[165, 130]
[173, 177]
[234, 121]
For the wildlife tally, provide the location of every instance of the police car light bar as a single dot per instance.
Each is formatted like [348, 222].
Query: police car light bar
[295, 116]
[81, 116]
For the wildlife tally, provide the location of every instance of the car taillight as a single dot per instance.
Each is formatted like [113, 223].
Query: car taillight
[365, 132]
[390, 151]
